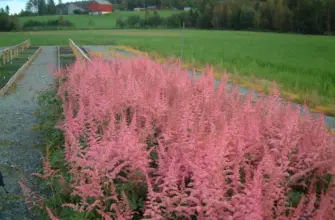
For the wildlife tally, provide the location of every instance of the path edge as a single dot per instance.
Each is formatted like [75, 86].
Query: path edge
[20, 72]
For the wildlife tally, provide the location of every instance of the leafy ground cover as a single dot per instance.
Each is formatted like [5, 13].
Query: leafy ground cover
[132, 143]
[301, 65]
[9, 69]
[93, 22]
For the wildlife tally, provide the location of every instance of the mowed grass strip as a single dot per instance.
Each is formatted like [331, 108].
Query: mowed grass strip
[302, 65]
[9, 69]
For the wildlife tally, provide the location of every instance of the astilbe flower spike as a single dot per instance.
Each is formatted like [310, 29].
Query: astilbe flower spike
[201, 151]
[51, 216]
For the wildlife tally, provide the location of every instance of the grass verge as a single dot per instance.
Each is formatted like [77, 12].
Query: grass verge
[55, 189]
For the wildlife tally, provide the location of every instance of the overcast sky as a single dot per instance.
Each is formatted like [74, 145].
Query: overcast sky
[16, 6]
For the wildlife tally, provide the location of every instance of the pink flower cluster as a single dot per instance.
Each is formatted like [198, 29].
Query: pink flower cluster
[202, 152]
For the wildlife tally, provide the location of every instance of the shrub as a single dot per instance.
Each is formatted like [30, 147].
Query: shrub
[77, 11]
[173, 21]
[26, 13]
[133, 21]
[80, 12]
[63, 22]
[91, 22]
[247, 17]
[120, 23]
[142, 139]
[31, 23]
[8, 23]
[154, 20]
[50, 24]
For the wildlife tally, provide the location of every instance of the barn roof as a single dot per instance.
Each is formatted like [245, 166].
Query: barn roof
[102, 2]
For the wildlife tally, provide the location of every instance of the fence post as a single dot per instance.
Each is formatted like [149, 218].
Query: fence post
[8, 56]
[10, 53]
[4, 57]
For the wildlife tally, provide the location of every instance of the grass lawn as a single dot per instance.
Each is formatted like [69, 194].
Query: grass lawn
[83, 21]
[9, 69]
[303, 66]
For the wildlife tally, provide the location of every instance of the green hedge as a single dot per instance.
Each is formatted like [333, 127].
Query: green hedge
[59, 23]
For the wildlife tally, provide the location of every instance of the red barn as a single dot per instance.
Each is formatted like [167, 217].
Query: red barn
[100, 7]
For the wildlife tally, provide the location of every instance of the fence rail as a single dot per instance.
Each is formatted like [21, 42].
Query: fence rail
[8, 54]
[77, 51]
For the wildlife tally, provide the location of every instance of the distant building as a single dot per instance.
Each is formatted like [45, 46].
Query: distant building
[139, 9]
[94, 7]
[153, 7]
[187, 9]
[100, 7]
[69, 8]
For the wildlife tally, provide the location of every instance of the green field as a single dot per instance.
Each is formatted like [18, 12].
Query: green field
[303, 66]
[85, 21]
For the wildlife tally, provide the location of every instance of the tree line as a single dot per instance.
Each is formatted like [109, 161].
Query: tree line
[295, 16]
[7, 22]
[131, 4]
[40, 7]
[300, 16]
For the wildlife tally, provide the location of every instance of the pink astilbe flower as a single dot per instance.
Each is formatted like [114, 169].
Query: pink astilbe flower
[47, 171]
[31, 198]
[202, 150]
[51, 216]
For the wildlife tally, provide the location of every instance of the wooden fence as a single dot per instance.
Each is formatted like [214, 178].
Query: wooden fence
[8, 54]
[77, 51]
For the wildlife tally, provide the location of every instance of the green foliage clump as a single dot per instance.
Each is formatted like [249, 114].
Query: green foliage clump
[8, 22]
[59, 23]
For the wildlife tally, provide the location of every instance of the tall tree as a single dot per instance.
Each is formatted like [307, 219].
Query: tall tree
[42, 7]
[330, 5]
[7, 9]
[124, 4]
[280, 16]
[179, 4]
[32, 6]
[247, 17]
[218, 16]
[51, 7]
[205, 19]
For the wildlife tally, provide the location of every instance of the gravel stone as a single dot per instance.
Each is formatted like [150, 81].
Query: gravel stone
[18, 156]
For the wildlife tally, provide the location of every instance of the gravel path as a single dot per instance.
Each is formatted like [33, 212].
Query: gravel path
[18, 153]
[330, 121]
